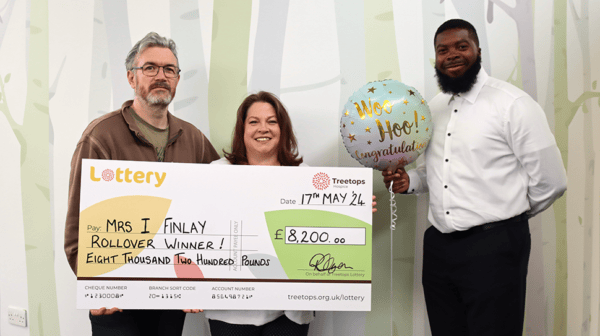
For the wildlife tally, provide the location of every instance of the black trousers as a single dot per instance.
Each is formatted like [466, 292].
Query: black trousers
[139, 323]
[474, 281]
[282, 326]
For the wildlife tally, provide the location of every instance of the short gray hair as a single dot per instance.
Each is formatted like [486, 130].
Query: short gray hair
[152, 39]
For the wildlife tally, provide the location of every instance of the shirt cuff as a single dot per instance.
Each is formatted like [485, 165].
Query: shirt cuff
[414, 184]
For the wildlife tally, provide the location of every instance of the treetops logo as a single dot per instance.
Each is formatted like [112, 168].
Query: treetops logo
[129, 176]
[321, 181]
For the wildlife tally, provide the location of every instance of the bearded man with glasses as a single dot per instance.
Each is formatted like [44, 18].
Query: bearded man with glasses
[141, 130]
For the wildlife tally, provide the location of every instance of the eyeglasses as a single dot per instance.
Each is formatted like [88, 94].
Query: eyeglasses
[151, 70]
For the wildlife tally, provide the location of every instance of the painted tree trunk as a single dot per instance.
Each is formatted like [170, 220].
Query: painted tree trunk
[116, 22]
[563, 118]
[349, 19]
[565, 110]
[41, 284]
[100, 79]
[191, 102]
[227, 86]
[5, 19]
[523, 16]
[582, 27]
[268, 46]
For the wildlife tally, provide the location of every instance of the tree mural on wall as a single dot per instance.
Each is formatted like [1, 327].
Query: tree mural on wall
[349, 19]
[33, 137]
[116, 22]
[268, 46]
[227, 85]
[191, 101]
[523, 16]
[100, 78]
[4, 19]
[565, 111]
[581, 21]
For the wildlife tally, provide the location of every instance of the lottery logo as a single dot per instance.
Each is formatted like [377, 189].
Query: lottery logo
[108, 175]
[321, 181]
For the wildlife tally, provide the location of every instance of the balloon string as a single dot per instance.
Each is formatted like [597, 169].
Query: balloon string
[393, 208]
[393, 217]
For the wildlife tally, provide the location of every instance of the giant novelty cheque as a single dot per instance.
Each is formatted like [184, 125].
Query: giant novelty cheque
[176, 236]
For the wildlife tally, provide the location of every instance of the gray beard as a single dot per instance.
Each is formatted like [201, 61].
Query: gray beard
[152, 99]
[156, 100]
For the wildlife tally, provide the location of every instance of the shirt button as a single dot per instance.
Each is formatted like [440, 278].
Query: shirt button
[446, 186]
[448, 134]
[455, 111]
[447, 212]
[446, 160]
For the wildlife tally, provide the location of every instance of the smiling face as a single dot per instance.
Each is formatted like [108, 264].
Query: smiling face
[261, 131]
[455, 52]
[157, 90]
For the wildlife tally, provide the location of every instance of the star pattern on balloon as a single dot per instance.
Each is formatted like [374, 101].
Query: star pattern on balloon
[422, 117]
[357, 130]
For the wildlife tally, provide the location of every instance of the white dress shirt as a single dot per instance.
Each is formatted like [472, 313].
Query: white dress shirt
[491, 157]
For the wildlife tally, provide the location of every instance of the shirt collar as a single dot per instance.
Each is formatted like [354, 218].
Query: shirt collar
[472, 94]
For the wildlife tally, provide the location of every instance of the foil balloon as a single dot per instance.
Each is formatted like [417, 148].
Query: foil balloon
[386, 125]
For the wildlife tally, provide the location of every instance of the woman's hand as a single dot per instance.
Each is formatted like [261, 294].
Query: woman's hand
[374, 204]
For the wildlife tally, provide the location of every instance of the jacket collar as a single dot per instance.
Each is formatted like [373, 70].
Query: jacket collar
[175, 124]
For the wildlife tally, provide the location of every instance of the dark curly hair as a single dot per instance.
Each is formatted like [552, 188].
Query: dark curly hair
[457, 24]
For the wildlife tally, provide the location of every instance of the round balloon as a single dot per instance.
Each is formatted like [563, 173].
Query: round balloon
[386, 125]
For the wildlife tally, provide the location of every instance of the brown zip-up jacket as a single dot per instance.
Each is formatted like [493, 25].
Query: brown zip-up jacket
[115, 136]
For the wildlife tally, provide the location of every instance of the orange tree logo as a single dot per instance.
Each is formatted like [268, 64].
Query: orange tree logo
[108, 175]
[321, 181]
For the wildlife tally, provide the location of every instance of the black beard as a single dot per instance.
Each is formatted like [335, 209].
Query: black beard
[460, 84]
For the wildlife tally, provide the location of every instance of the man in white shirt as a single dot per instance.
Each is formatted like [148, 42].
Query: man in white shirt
[491, 164]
